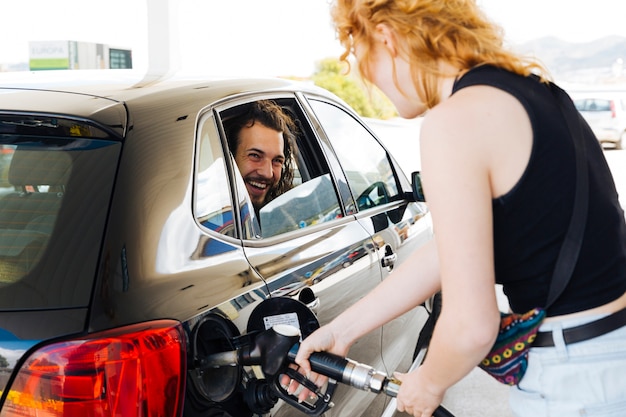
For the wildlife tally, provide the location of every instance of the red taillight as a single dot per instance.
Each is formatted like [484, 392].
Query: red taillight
[613, 113]
[134, 371]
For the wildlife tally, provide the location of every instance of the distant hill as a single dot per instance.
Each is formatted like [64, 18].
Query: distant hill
[601, 60]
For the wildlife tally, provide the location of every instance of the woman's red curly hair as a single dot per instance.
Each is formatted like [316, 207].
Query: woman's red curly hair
[456, 32]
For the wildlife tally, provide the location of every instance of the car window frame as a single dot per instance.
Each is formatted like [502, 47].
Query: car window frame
[318, 152]
[347, 203]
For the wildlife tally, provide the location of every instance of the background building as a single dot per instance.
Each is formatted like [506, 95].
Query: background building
[55, 55]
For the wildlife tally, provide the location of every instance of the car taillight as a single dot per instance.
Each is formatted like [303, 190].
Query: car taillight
[613, 113]
[136, 371]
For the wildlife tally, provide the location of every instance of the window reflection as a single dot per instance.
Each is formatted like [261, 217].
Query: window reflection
[370, 175]
[310, 203]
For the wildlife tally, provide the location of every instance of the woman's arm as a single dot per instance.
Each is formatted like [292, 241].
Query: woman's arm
[475, 146]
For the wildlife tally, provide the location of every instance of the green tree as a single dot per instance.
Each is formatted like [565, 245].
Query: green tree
[4, 363]
[365, 99]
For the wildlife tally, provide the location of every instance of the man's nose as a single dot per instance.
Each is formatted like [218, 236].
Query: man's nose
[265, 168]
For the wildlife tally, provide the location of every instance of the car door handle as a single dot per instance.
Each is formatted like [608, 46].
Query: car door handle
[389, 259]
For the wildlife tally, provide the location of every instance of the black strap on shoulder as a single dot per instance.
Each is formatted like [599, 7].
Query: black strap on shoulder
[572, 243]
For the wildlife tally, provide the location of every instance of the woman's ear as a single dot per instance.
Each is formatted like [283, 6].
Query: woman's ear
[385, 35]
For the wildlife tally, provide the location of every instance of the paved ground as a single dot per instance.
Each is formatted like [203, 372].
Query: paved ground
[477, 395]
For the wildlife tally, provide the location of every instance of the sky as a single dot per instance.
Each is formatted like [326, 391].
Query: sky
[260, 37]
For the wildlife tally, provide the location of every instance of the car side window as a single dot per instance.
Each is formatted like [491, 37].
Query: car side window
[310, 197]
[366, 163]
[213, 203]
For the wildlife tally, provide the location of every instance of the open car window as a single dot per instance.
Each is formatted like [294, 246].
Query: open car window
[312, 198]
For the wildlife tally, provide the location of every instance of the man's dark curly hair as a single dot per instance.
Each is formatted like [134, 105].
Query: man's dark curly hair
[270, 115]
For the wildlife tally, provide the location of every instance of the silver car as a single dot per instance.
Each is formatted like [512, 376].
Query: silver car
[606, 114]
[130, 251]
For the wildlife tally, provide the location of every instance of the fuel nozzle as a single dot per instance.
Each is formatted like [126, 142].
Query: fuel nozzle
[274, 349]
[269, 350]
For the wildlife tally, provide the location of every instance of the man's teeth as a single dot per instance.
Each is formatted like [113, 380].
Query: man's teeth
[258, 184]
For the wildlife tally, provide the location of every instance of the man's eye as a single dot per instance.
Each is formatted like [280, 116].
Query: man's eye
[254, 156]
[278, 162]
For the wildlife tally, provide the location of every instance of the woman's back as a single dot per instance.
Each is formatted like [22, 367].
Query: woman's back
[531, 220]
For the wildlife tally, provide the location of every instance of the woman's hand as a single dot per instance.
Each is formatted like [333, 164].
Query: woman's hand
[321, 340]
[416, 396]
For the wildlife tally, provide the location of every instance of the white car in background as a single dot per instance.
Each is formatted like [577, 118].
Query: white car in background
[606, 114]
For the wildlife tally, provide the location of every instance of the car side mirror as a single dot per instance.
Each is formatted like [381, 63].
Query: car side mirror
[416, 183]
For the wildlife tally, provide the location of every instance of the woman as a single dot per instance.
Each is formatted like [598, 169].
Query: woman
[499, 173]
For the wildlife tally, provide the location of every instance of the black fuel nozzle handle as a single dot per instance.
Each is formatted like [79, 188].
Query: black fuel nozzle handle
[355, 374]
[268, 349]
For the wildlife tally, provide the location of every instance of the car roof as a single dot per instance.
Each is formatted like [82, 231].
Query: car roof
[107, 96]
[126, 87]
[123, 86]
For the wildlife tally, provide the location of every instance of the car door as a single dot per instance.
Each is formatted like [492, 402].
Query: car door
[396, 225]
[309, 248]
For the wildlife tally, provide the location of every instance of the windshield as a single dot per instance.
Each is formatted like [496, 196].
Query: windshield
[56, 178]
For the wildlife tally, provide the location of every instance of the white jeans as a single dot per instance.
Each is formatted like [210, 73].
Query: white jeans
[581, 379]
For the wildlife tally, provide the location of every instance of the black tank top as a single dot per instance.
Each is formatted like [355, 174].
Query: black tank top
[531, 220]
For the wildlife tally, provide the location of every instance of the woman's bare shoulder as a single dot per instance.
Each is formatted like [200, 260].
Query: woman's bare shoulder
[477, 109]
[485, 124]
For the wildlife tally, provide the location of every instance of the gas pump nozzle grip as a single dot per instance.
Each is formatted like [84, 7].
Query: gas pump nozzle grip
[344, 370]
[355, 374]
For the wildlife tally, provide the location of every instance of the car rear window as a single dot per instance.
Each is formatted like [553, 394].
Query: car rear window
[593, 104]
[56, 177]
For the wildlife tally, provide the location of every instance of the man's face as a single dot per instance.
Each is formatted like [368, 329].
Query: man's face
[260, 157]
